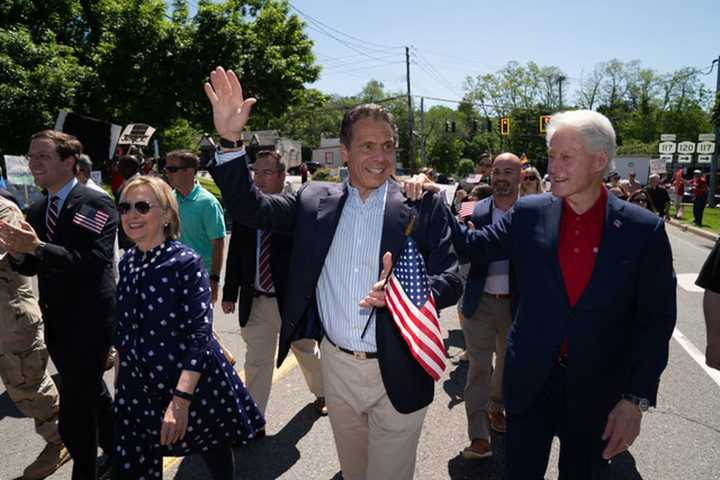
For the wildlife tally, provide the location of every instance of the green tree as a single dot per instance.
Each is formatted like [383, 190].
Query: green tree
[36, 81]
[445, 154]
[465, 167]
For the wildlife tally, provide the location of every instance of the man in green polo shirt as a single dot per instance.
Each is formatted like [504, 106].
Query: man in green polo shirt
[202, 225]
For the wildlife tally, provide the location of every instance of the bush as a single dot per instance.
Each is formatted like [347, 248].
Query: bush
[325, 175]
[465, 167]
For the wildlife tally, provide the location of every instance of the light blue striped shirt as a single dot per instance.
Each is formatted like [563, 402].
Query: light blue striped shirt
[351, 268]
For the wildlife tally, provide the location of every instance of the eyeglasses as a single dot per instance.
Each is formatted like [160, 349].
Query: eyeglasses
[170, 169]
[529, 178]
[640, 200]
[142, 207]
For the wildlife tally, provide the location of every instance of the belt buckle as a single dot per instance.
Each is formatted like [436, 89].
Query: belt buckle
[360, 355]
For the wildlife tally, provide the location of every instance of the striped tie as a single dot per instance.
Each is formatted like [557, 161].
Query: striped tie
[52, 218]
[266, 283]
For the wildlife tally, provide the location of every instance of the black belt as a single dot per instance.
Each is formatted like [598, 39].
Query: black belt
[358, 355]
[258, 293]
[498, 296]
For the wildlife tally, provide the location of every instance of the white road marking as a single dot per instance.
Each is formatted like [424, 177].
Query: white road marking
[687, 282]
[696, 355]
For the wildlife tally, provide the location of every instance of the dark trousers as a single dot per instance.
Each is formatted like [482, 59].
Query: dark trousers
[220, 462]
[699, 208]
[529, 437]
[85, 418]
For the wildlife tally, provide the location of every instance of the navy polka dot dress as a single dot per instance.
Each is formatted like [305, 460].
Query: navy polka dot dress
[165, 326]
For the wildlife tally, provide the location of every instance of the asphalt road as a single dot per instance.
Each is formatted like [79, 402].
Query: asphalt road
[679, 440]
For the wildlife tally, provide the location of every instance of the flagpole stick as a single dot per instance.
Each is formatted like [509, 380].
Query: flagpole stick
[408, 230]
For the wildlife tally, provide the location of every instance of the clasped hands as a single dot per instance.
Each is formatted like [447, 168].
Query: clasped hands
[18, 240]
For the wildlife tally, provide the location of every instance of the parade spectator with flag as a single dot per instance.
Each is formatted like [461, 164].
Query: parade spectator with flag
[377, 393]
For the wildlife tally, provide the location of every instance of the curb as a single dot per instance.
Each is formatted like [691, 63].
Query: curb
[694, 230]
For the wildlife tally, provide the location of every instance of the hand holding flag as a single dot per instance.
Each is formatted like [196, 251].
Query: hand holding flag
[376, 297]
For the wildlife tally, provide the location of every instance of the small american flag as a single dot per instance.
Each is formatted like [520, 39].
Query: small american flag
[90, 218]
[411, 303]
[466, 209]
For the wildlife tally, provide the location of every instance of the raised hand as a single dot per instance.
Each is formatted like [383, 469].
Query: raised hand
[376, 297]
[230, 110]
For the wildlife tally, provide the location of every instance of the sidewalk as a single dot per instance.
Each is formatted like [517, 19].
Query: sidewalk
[693, 229]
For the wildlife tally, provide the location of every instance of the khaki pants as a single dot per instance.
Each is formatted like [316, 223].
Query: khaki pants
[261, 337]
[23, 369]
[485, 333]
[373, 440]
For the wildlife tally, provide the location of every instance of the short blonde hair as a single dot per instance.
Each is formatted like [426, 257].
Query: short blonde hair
[165, 198]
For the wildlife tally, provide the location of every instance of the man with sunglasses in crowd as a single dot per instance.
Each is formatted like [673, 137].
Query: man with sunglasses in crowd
[202, 219]
[67, 242]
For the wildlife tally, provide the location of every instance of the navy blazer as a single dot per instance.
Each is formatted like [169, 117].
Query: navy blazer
[620, 328]
[312, 216]
[475, 283]
[75, 275]
[240, 267]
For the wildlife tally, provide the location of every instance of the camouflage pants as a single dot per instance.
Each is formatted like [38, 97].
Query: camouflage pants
[23, 369]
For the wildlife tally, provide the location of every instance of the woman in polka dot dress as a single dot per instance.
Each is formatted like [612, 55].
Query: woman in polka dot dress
[175, 394]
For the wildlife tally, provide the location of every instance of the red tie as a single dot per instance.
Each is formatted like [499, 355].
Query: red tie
[266, 282]
[52, 218]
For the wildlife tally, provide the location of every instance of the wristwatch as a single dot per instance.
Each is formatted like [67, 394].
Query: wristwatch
[225, 143]
[642, 403]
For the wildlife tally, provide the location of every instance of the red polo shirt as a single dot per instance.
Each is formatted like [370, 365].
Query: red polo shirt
[578, 244]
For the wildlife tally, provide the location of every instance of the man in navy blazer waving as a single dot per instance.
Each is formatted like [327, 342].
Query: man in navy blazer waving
[594, 310]
[344, 239]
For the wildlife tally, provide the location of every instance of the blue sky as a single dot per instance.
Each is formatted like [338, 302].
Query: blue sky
[454, 39]
[462, 37]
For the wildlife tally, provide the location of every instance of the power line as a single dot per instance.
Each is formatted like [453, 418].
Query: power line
[343, 42]
[356, 39]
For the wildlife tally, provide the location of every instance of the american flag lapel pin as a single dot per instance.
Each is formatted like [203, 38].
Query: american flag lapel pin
[617, 223]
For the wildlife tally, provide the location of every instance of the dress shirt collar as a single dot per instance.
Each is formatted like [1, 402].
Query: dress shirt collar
[64, 191]
[375, 199]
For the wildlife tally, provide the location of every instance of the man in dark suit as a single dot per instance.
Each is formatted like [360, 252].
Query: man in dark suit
[487, 316]
[595, 311]
[377, 394]
[257, 265]
[68, 243]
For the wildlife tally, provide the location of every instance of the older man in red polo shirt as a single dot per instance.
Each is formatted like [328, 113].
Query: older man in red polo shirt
[591, 328]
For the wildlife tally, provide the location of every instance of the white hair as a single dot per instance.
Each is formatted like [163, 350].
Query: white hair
[596, 131]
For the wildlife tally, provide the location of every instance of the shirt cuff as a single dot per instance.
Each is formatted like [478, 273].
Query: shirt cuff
[225, 157]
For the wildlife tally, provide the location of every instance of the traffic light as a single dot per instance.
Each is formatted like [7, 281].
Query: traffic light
[504, 126]
[488, 125]
[452, 125]
[447, 125]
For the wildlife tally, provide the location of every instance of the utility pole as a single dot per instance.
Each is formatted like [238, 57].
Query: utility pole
[422, 131]
[561, 79]
[714, 164]
[411, 134]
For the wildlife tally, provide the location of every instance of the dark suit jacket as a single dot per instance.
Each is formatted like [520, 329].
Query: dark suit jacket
[311, 216]
[75, 277]
[619, 330]
[240, 267]
[475, 284]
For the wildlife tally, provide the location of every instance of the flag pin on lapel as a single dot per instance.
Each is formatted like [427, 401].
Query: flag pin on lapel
[617, 224]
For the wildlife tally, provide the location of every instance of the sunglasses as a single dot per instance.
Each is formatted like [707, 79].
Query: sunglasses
[529, 178]
[640, 200]
[175, 169]
[142, 207]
